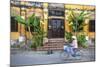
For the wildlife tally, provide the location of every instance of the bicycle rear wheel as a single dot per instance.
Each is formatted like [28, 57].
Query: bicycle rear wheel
[64, 55]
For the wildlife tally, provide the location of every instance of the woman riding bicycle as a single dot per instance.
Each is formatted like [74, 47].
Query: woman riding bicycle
[71, 47]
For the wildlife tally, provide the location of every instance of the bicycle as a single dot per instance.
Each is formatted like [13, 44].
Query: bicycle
[66, 54]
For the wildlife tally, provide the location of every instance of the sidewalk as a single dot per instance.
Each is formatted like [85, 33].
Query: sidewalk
[37, 58]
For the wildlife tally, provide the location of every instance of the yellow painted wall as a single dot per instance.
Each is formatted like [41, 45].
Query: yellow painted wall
[14, 35]
[91, 34]
[82, 7]
[67, 28]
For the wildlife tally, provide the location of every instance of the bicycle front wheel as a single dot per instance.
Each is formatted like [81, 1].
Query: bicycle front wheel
[80, 54]
[64, 55]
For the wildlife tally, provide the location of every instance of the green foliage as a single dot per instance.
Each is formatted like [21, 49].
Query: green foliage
[37, 40]
[76, 20]
[81, 38]
[20, 20]
[33, 21]
[68, 36]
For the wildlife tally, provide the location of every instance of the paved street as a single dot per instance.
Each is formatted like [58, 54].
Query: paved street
[35, 58]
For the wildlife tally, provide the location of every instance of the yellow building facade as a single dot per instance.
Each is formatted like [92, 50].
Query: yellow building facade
[43, 13]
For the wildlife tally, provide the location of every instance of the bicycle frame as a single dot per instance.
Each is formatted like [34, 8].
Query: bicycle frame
[69, 50]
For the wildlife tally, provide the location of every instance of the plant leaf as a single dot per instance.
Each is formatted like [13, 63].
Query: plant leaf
[20, 20]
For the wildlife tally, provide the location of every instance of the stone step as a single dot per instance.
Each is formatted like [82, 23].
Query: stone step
[56, 40]
[53, 44]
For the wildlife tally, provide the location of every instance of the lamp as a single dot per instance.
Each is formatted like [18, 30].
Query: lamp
[86, 21]
[45, 10]
[23, 8]
[66, 11]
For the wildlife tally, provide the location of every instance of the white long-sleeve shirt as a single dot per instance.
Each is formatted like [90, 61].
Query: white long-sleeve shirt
[74, 43]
